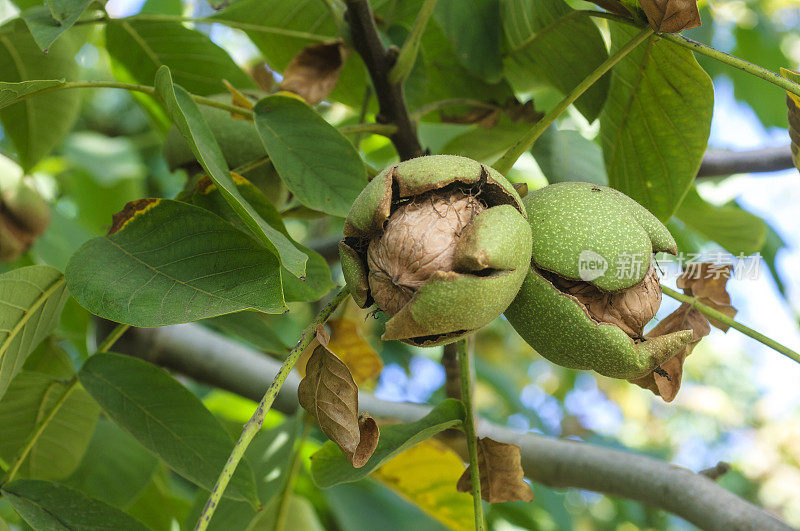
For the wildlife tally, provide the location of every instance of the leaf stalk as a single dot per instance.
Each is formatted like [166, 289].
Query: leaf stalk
[719, 316]
[465, 368]
[254, 424]
[522, 145]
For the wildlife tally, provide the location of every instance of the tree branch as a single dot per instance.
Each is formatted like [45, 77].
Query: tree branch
[379, 63]
[718, 162]
[210, 358]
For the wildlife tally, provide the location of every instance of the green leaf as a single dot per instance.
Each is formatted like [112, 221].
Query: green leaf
[330, 467]
[115, 469]
[656, 122]
[141, 47]
[769, 251]
[45, 28]
[160, 504]
[473, 28]
[251, 328]
[31, 299]
[369, 504]
[168, 262]
[732, 227]
[548, 41]
[486, 144]
[317, 163]
[282, 28]
[198, 135]
[317, 281]
[167, 419]
[761, 44]
[57, 451]
[566, 155]
[46, 505]
[271, 454]
[38, 124]
[11, 93]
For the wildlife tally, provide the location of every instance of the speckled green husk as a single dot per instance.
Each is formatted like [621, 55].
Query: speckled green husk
[567, 218]
[240, 145]
[491, 256]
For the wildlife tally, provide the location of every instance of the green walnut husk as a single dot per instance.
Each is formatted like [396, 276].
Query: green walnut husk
[240, 146]
[571, 309]
[440, 243]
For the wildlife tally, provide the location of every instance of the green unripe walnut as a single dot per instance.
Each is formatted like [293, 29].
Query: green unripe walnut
[440, 243]
[591, 286]
[240, 145]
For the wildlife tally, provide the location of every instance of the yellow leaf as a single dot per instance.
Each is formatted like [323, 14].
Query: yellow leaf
[238, 99]
[426, 475]
[350, 346]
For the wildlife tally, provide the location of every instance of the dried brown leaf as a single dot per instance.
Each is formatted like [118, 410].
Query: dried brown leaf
[671, 16]
[666, 380]
[522, 112]
[368, 441]
[501, 475]
[314, 71]
[263, 76]
[329, 393]
[349, 345]
[483, 116]
[706, 282]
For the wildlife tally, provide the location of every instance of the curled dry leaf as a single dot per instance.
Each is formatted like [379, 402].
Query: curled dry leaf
[350, 346]
[501, 473]
[367, 442]
[263, 76]
[706, 282]
[666, 380]
[329, 393]
[314, 71]
[671, 16]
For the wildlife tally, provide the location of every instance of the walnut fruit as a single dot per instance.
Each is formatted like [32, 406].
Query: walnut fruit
[439, 243]
[592, 286]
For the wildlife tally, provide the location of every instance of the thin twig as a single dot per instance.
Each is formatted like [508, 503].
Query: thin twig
[465, 368]
[379, 62]
[704, 49]
[254, 424]
[410, 50]
[507, 161]
[721, 317]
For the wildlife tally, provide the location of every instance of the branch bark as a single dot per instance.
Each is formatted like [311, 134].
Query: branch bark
[379, 61]
[718, 162]
[207, 357]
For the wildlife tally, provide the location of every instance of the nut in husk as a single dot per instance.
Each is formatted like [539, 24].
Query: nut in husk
[24, 216]
[592, 286]
[440, 243]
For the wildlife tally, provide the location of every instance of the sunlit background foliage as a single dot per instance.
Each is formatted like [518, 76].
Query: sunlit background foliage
[739, 403]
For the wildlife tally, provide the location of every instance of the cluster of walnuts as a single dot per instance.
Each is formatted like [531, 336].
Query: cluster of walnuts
[444, 245]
